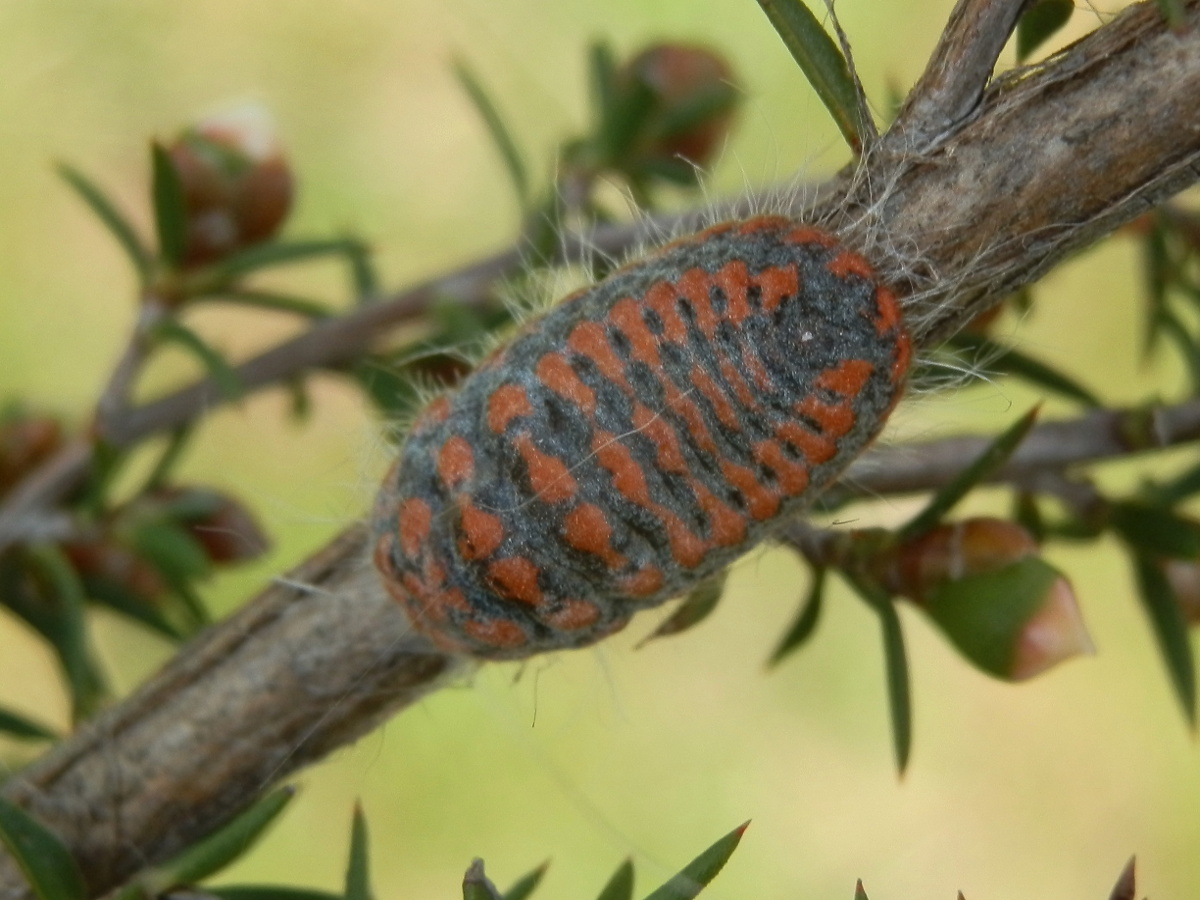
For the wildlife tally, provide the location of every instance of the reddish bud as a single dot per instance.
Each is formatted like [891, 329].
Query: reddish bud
[983, 584]
[682, 79]
[24, 443]
[236, 185]
[953, 551]
[219, 524]
[105, 560]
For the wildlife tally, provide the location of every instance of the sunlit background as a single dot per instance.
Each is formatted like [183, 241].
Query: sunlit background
[1035, 791]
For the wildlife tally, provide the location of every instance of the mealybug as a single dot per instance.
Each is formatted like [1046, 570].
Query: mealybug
[638, 437]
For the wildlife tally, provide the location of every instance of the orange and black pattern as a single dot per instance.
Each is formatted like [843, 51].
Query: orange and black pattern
[638, 437]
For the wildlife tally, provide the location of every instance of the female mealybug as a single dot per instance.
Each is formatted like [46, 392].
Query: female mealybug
[638, 437]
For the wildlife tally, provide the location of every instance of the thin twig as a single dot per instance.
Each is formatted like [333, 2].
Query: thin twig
[952, 85]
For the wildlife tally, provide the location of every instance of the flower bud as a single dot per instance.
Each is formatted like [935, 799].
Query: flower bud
[104, 560]
[237, 187]
[222, 526]
[692, 101]
[948, 552]
[985, 587]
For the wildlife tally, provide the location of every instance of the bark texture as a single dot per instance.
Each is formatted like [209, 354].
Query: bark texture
[972, 194]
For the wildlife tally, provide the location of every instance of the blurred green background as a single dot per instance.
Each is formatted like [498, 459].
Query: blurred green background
[1035, 791]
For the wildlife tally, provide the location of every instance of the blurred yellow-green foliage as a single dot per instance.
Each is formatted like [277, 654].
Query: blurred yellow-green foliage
[1035, 791]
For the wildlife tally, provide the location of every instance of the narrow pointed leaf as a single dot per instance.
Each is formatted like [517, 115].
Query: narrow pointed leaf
[895, 660]
[822, 63]
[984, 465]
[1004, 359]
[112, 218]
[695, 608]
[363, 276]
[859, 892]
[1170, 629]
[268, 892]
[17, 726]
[43, 859]
[1039, 22]
[806, 622]
[358, 869]
[499, 132]
[526, 884]
[219, 276]
[1126, 886]
[173, 332]
[269, 300]
[1156, 529]
[67, 632]
[218, 850]
[602, 69]
[697, 874]
[170, 208]
[620, 886]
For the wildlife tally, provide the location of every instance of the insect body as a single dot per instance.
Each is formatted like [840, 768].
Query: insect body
[638, 437]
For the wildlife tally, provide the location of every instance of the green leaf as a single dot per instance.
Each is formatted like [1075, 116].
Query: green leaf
[499, 132]
[217, 278]
[695, 608]
[985, 614]
[66, 628]
[805, 624]
[358, 869]
[895, 665]
[1039, 22]
[268, 892]
[112, 218]
[1178, 488]
[170, 208]
[1004, 359]
[860, 892]
[823, 65]
[18, 726]
[174, 332]
[697, 874]
[363, 277]
[1155, 529]
[985, 465]
[1158, 272]
[176, 443]
[270, 300]
[620, 886]
[219, 849]
[169, 548]
[526, 884]
[602, 68]
[43, 859]
[1170, 629]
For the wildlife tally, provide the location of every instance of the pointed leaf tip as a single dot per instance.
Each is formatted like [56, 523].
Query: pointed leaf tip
[1126, 886]
[860, 892]
[620, 885]
[697, 874]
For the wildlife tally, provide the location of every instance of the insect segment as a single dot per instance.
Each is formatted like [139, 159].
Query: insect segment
[638, 437]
